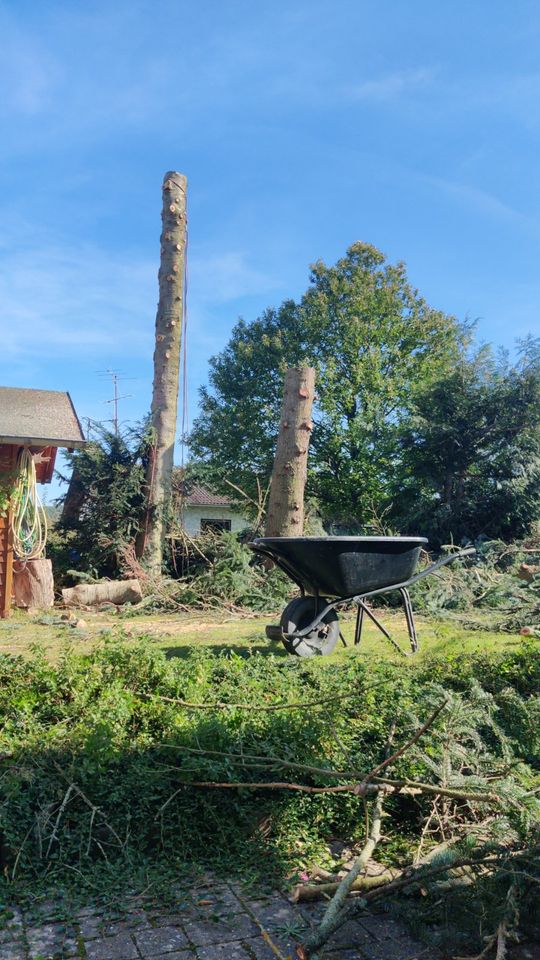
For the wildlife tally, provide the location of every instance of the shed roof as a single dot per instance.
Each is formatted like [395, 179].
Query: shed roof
[38, 418]
[201, 497]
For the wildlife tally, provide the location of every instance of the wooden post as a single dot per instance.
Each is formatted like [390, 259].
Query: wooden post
[6, 565]
[8, 460]
[169, 319]
[285, 516]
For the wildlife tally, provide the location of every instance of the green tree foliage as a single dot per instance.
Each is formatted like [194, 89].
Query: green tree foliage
[375, 343]
[111, 475]
[470, 450]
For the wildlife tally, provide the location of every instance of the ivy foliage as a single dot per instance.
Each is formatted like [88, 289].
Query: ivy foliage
[94, 752]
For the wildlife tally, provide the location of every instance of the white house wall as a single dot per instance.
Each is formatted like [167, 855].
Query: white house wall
[193, 515]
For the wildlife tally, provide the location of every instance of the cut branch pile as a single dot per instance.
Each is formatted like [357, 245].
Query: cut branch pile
[357, 889]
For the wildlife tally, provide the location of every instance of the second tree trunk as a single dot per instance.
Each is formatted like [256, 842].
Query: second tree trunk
[285, 516]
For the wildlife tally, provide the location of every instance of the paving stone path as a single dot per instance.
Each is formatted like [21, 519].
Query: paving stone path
[219, 922]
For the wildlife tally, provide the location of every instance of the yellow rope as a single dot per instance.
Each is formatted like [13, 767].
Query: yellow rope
[29, 520]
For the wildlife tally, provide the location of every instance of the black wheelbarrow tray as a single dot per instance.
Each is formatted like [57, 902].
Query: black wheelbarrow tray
[348, 570]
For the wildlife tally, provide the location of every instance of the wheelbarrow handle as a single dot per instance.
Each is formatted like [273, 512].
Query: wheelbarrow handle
[431, 569]
[419, 576]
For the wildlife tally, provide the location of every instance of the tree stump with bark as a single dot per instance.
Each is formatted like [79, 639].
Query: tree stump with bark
[285, 516]
[33, 584]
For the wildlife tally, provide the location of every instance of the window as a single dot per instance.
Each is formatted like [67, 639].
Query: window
[215, 526]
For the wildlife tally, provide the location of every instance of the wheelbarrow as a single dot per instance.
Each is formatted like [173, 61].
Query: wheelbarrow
[335, 571]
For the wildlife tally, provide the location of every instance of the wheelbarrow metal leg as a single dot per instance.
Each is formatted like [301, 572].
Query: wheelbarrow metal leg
[376, 621]
[409, 616]
[359, 624]
[362, 609]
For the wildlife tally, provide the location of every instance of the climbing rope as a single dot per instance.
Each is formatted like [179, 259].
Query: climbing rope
[29, 520]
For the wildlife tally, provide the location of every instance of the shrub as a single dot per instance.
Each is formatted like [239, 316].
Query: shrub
[94, 751]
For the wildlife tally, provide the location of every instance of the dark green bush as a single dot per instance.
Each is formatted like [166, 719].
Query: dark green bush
[92, 757]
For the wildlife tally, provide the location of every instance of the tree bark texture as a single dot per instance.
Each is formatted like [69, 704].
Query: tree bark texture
[33, 584]
[74, 498]
[285, 515]
[169, 319]
[112, 591]
[304, 892]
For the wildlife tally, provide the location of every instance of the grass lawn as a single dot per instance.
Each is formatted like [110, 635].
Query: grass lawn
[177, 634]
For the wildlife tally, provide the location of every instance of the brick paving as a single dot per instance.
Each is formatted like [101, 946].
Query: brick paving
[218, 923]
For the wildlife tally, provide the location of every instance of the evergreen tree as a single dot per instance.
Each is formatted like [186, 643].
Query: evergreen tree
[112, 502]
[470, 451]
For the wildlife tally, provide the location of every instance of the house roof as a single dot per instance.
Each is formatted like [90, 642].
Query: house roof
[38, 418]
[201, 497]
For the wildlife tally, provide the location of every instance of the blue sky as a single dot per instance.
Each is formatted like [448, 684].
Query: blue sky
[302, 126]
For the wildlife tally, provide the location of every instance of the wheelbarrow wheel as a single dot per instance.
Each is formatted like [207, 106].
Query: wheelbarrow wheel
[297, 615]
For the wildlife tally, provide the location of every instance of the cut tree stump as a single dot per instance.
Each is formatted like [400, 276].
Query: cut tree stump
[285, 516]
[33, 584]
[114, 591]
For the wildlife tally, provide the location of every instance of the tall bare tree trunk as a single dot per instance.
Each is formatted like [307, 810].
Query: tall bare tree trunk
[74, 498]
[169, 318]
[285, 516]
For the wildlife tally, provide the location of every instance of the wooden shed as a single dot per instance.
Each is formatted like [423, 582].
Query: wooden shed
[40, 421]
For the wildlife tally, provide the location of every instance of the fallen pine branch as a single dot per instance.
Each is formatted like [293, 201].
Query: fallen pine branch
[411, 787]
[221, 705]
[262, 762]
[316, 891]
[410, 877]
[398, 753]
[420, 874]
[332, 914]
[359, 789]
[249, 786]
[306, 892]
[364, 787]
[337, 911]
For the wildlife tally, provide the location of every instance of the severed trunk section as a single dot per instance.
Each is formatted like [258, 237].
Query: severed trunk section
[113, 591]
[169, 319]
[33, 584]
[285, 516]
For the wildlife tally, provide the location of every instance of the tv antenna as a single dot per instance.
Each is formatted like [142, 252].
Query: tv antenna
[116, 379]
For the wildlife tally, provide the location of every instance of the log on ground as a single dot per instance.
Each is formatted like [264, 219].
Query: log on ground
[114, 591]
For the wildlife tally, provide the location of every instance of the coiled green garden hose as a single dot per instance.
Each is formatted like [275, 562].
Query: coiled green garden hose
[29, 520]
